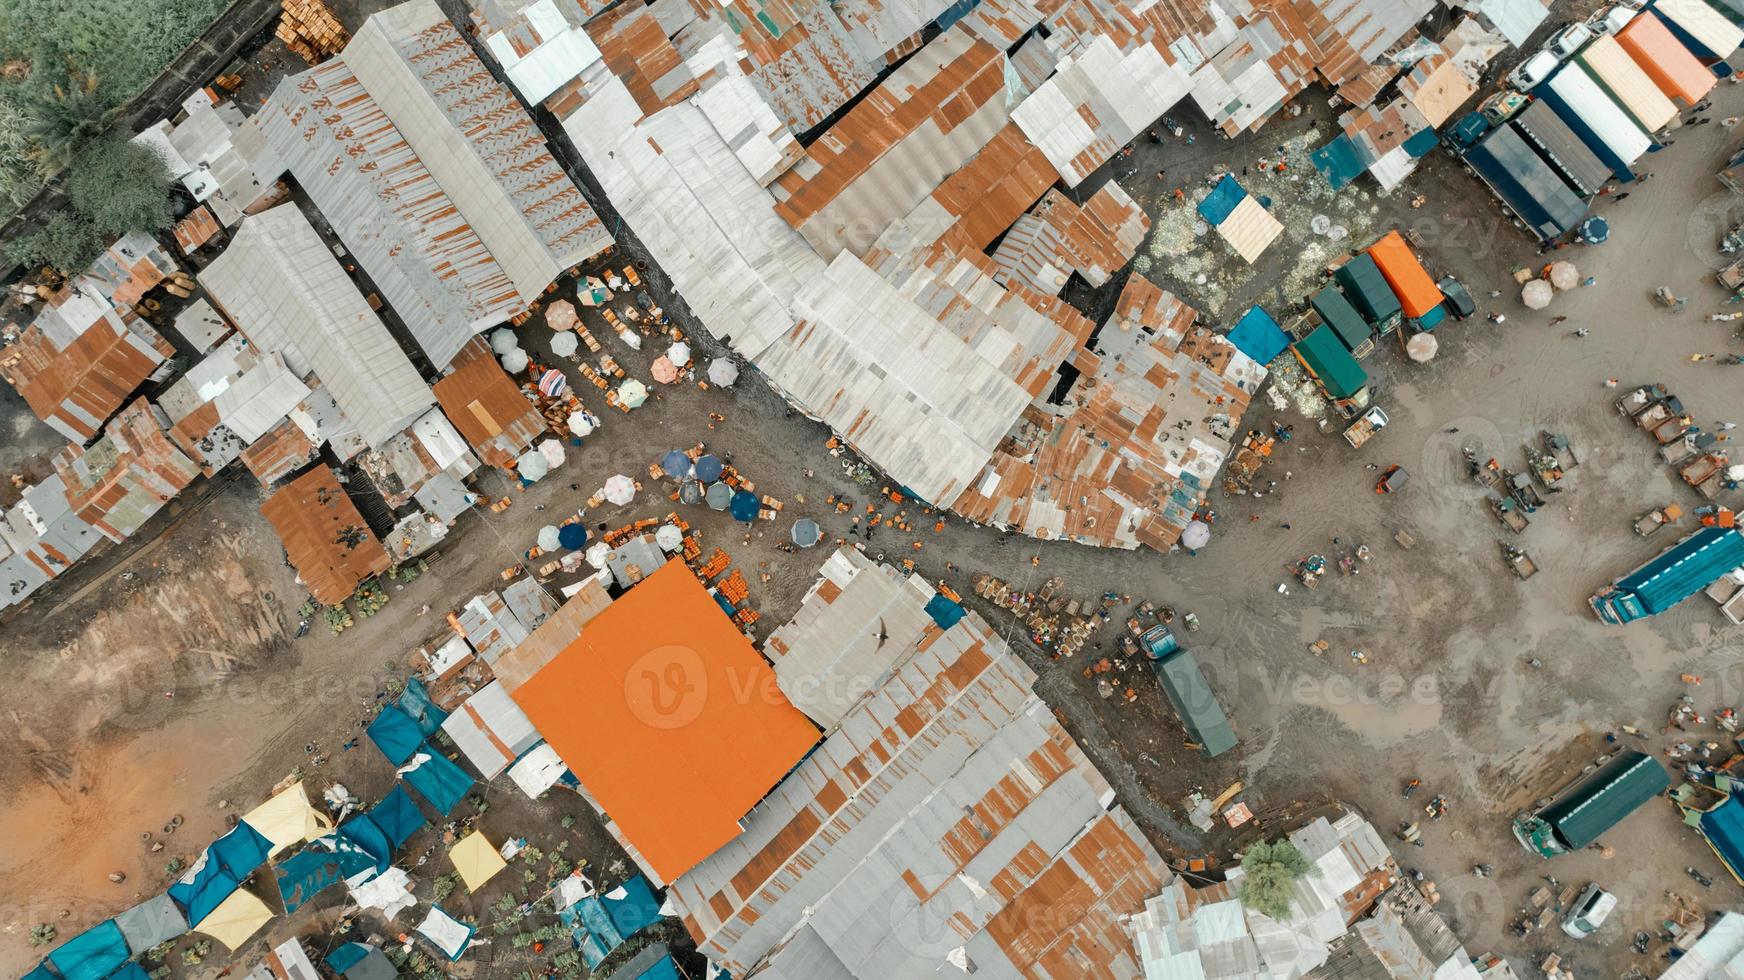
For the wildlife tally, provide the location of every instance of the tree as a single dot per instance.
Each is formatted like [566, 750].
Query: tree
[1268, 871]
[117, 186]
[65, 243]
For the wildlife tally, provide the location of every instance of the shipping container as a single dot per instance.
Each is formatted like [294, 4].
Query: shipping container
[1627, 84]
[1566, 153]
[1683, 78]
[1368, 291]
[1410, 281]
[1600, 123]
[1703, 30]
[1535, 192]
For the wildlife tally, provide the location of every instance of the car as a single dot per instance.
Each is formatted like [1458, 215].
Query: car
[1533, 70]
[1570, 39]
[1588, 912]
[1459, 300]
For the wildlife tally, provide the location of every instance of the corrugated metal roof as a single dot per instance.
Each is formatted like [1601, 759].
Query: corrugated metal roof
[635, 47]
[542, 46]
[40, 537]
[324, 535]
[421, 454]
[486, 405]
[798, 54]
[949, 792]
[201, 326]
[230, 398]
[77, 386]
[127, 475]
[491, 730]
[284, 450]
[1058, 237]
[974, 206]
[282, 287]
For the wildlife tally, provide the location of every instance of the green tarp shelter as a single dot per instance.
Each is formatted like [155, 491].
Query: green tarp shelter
[1326, 357]
[1342, 317]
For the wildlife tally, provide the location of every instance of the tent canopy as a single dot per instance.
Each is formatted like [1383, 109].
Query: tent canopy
[288, 819]
[1258, 336]
[93, 954]
[396, 734]
[219, 871]
[397, 816]
[320, 866]
[150, 923]
[240, 917]
[476, 859]
[442, 783]
[1221, 202]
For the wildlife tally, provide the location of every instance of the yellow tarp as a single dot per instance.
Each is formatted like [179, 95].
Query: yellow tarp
[238, 917]
[476, 860]
[288, 819]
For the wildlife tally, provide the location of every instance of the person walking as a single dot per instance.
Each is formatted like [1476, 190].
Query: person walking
[1581, 332]
[1497, 318]
[1557, 319]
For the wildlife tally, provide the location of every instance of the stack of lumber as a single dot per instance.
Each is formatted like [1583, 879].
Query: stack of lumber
[310, 29]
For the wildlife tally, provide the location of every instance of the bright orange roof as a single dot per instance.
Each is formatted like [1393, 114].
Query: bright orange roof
[670, 718]
[1410, 281]
[1663, 57]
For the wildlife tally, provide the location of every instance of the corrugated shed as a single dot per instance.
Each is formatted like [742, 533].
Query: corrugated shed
[491, 730]
[408, 235]
[542, 46]
[635, 47]
[882, 27]
[892, 149]
[129, 268]
[1099, 99]
[798, 54]
[1129, 455]
[418, 456]
[1437, 87]
[978, 203]
[284, 450]
[40, 537]
[324, 536]
[127, 475]
[75, 387]
[735, 108]
[201, 326]
[486, 405]
[231, 398]
[1058, 237]
[493, 629]
[948, 792]
[282, 287]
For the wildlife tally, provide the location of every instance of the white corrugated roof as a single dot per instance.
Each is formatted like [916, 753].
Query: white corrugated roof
[491, 730]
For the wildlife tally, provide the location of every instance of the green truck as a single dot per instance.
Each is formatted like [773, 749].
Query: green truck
[1578, 817]
[1187, 689]
[1367, 290]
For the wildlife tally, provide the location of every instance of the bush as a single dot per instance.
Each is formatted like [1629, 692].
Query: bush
[1268, 871]
[64, 243]
[114, 187]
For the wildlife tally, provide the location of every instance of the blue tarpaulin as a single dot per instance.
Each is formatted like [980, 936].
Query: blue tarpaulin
[1338, 161]
[601, 923]
[320, 866]
[397, 816]
[1723, 827]
[1418, 144]
[442, 783]
[745, 506]
[396, 734]
[1221, 202]
[366, 835]
[40, 972]
[1258, 336]
[416, 703]
[347, 956]
[129, 971]
[663, 969]
[943, 611]
[220, 871]
[92, 954]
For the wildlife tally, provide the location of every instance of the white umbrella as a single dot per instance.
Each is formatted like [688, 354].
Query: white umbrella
[564, 344]
[553, 452]
[596, 554]
[548, 538]
[503, 340]
[632, 393]
[1422, 347]
[581, 423]
[620, 490]
[680, 353]
[1563, 275]
[1536, 294]
[1197, 535]
[1735, 472]
[722, 372]
[532, 466]
[515, 361]
[669, 537]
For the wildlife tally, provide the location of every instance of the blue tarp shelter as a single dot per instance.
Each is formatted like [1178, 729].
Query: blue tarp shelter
[415, 702]
[944, 612]
[396, 733]
[363, 833]
[1258, 336]
[1418, 144]
[347, 956]
[440, 782]
[93, 954]
[1338, 161]
[1674, 575]
[220, 871]
[129, 971]
[40, 972]
[663, 969]
[358, 961]
[1723, 829]
[1220, 203]
[151, 922]
[320, 866]
[397, 816]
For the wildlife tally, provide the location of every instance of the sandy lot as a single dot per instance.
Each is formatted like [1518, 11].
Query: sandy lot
[96, 753]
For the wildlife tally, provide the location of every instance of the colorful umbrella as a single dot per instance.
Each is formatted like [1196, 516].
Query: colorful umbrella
[719, 496]
[806, 532]
[1595, 230]
[722, 372]
[620, 490]
[676, 464]
[744, 506]
[663, 370]
[572, 536]
[632, 393]
[552, 383]
[708, 468]
[561, 315]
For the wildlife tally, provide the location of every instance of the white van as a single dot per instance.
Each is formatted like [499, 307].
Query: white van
[1589, 912]
[1570, 39]
[1533, 70]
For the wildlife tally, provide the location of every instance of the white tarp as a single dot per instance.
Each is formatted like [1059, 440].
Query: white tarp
[538, 770]
[448, 934]
[389, 893]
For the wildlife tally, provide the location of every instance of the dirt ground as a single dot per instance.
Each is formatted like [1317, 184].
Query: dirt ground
[97, 754]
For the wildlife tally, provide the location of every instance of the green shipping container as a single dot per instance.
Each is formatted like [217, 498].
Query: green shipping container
[1324, 355]
[1368, 291]
[1341, 317]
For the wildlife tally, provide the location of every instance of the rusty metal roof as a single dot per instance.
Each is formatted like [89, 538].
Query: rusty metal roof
[949, 792]
[975, 205]
[636, 49]
[284, 450]
[1058, 238]
[798, 54]
[126, 476]
[77, 387]
[486, 405]
[324, 535]
[195, 230]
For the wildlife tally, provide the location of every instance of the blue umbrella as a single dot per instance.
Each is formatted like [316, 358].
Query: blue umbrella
[708, 468]
[806, 532]
[745, 506]
[1595, 230]
[690, 492]
[572, 536]
[719, 496]
[676, 464]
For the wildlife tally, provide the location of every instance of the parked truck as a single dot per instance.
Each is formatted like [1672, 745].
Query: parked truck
[1599, 122]
[1537, 195]
[1585, 812]
[1184, 683]
[1363, 429]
